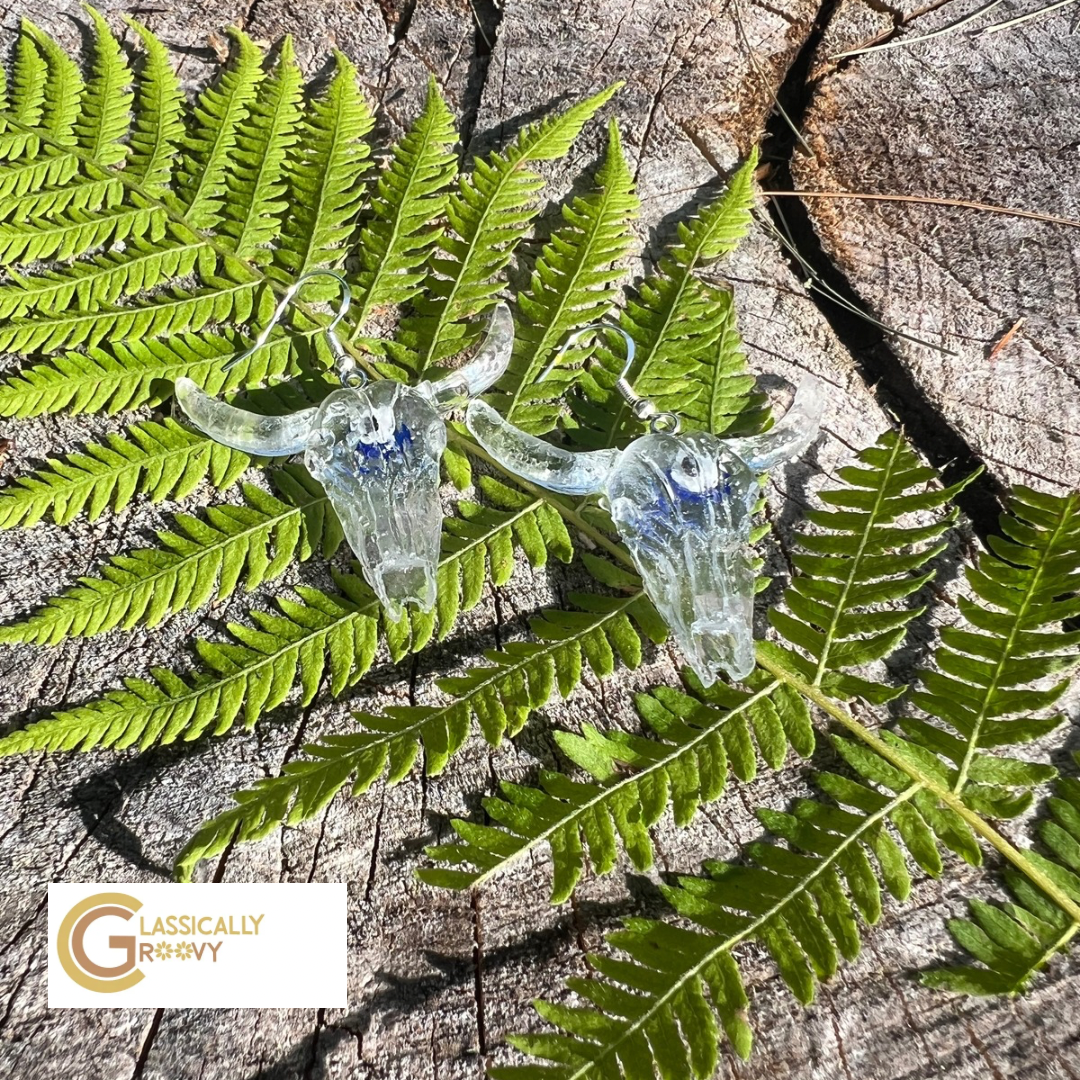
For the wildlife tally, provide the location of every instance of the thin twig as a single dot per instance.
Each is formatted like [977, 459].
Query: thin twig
[896, 43]
[1037, 13]
[932, 200]
[816, 282]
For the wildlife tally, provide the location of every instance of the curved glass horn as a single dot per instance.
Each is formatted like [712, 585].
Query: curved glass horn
[551, 467]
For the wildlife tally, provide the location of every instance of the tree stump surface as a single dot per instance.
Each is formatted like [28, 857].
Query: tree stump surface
[436, 979]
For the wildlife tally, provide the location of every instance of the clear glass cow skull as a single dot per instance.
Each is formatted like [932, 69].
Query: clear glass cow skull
[682, 505]
[376, 449]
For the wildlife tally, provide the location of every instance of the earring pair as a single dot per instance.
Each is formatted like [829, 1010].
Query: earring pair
[682, 503]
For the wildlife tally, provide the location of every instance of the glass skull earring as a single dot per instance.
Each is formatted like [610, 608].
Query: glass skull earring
[375, 447]
[682, 504]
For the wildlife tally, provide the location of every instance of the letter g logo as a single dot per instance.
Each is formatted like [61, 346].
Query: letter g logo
[72, 951]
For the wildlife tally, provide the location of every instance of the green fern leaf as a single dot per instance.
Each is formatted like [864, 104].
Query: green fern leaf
[500, 698]
[324, 174]
[412, 193]
[317, 634]
[1013, 942]
[670, 991]
[256, 671]
[106, 106]
[158, 460]
[66, 237]
[256, 182]
[210, 147]
[675, 322]
[98, 195]
[664, 1000]
[36, 174]
[488, 216]
[204, 561]
[573, 283]
[632, 779]
[62, 90]
[159, 128]
[979, 690]
[135, 373]
[220, 300]
[863, 558]
[29, 75]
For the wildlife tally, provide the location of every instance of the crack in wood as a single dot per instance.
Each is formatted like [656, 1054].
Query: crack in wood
[478, 976]
[886, 375]
[147, 1044]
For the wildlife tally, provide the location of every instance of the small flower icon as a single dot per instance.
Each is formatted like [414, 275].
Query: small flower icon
[185, 950]
[163, 950]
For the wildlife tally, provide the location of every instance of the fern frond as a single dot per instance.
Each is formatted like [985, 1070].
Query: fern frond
[63, 88]
[135, 373]
[658, 1007]
[633, 781]
[205, 560]
[106, 106]
[488, 215]
[411, 196]
[979, 690]
[500, 698]
[220, 300]
[863, 558]
[209, 148]
[256, 671]
[674, 322]
[158, 130]
[573, 283]
[256, 181]
[159, 460]
[1013, 942]
[324, 174]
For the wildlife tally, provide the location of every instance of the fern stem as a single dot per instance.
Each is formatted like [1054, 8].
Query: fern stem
[1048, 553]
[663, 1001]
[1000, 844]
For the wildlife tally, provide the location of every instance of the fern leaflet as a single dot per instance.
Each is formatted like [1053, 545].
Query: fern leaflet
[573, 283]
[979, 689]
[158, 460]
[1014, 942]
[489, 214]
[205, 560]
[411, 194]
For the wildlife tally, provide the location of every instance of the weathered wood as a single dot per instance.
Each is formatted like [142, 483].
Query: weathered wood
[984, 118]
[436, 979]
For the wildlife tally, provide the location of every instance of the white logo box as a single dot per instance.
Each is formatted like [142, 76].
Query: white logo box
[215, 946]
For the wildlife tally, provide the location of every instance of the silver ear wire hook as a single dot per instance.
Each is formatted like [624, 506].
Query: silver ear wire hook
[348, 371]
[642, 408]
